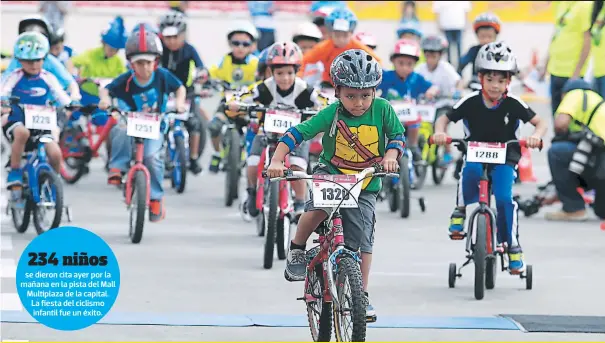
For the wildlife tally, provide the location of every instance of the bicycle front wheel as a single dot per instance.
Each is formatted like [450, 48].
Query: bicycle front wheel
[350, 315]
[319, 312]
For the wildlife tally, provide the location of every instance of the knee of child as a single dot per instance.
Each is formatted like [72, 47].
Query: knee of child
[53, 151]
[21, 134]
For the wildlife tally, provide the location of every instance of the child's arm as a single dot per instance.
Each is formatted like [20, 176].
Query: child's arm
[55, 88]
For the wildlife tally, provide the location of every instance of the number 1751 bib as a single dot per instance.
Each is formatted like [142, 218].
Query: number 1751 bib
[331, 190]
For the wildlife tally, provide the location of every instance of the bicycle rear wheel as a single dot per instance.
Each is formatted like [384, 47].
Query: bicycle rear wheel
[404, 187]
[352, 303]
[234, 157]
[319, 312]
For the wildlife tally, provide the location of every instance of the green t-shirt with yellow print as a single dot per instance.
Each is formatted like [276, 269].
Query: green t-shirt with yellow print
[358, 142]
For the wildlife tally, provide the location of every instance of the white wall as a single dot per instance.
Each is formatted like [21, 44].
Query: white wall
[207, 30]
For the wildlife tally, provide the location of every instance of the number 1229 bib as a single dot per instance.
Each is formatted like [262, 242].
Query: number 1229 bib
[40, 117]
[331, 190]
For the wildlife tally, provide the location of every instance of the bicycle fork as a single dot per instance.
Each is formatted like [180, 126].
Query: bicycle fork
[138, 166]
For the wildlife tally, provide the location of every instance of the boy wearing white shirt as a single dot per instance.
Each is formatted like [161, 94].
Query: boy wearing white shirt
[451, 19]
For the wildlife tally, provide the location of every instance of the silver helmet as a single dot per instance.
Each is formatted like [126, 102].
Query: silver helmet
[496, 56]
[356, 68]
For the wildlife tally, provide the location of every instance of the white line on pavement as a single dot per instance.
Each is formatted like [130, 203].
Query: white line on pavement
[9, 268]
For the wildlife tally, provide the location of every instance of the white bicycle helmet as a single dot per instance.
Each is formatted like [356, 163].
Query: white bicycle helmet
[308, 31]
[496, 56]
[243, 27]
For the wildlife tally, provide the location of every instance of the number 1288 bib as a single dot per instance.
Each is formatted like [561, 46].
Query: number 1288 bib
[483, 152]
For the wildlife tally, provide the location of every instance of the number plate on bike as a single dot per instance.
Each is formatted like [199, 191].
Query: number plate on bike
[40, 117]
[426, 112]
[143, 125]
[482, 152]
[277, 121]
[330, 190]
[406, 111]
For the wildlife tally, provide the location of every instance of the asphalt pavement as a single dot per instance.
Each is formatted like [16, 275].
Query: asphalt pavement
[198, 274]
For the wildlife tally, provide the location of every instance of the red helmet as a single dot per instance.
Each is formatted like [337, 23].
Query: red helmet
[284, 53]
[367, 39]
[407, 47]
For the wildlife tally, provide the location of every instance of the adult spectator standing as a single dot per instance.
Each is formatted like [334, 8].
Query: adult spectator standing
[451, 19]
[55, 12]
[570, 46]
[408, 11]
[180, 6]
[597, 49]
[262, 17]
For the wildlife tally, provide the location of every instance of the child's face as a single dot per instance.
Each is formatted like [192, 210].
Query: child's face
[404, 65]
[432, 58]
[409, 35]
[486, 35]
[57, 49]
[143, 69]
[33, 67]
[174, 43]
[341, 38]
[356, 101]
[109, 51]
[494, 84]
[241, 45]
[306, 45]
[284, 77]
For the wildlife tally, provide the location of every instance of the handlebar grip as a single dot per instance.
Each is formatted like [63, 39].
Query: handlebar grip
[523, 144]
[432, 140]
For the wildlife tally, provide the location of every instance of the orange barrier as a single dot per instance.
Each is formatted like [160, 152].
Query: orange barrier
[526, 169]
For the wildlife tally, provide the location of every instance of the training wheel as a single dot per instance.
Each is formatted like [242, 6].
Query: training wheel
[422, 204]
[452, 275]
[529, 277]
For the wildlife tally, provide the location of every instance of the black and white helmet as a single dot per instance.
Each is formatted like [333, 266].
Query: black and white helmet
[496, 56]
[173, 23]
[143, 44]
[356, 68]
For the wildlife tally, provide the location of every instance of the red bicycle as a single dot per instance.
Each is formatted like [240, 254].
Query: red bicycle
[484, 250]
[333, 285]
[79, 146]
[275, 199]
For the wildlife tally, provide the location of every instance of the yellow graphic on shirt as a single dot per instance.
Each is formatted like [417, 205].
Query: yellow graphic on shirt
[356, 148]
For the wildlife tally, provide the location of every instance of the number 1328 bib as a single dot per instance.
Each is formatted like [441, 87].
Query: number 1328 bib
[331, 190]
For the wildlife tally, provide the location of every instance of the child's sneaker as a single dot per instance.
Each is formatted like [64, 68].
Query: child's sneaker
[457, 225]
[370, 311]
[114, 177]
[296, 265]
[516, 265]
[251, 203]
[14, 178]
[156, 210]
[215, 162]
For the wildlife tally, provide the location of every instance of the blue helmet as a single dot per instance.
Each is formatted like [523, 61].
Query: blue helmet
[30, 46]
[341, 19]
[409, 26]
[573, 84]
[115, 35]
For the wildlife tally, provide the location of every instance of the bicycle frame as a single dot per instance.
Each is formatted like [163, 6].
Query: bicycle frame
[89, 133]
[177, 130]
[138, 166]
[36, 162]
[484, 209]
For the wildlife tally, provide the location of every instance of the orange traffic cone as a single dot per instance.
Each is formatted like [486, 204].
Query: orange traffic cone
[603, 226]
[526, 169]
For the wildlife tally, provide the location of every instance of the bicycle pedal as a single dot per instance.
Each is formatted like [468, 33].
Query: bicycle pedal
[301, 298]
[371, 319]
[457, 237]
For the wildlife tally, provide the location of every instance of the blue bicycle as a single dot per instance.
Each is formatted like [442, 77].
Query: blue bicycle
[177, 151]
[43, 190]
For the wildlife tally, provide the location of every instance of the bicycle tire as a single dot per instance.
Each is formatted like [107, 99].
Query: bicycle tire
[437, 171]
[422, 170]
[272, 225]
[203, 131]
[404, 187]
[22, 226]
[283, 237]
[139, 198]
[480, 256]
[392, 194]
[233, 167]
[321, 329]
[80, 167]
[349, 269]
[58, 190]
[180, 170]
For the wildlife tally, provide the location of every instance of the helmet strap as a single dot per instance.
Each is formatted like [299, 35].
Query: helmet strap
[497, 101]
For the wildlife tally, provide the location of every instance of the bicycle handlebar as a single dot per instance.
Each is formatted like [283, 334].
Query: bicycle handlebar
[459, 141]
[251, 108]
[292, 175]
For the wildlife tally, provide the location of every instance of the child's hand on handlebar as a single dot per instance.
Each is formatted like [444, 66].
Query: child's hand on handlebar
[390, 164]
[533, 142]
[276, 169]
[103, 105]
[233, 107]
[440, 138]
[181, 108]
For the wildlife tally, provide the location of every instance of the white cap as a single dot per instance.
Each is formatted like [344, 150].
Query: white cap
[170, 31]
[145, 57]
[308, 30]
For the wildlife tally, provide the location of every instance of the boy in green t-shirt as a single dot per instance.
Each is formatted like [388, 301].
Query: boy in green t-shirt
[359, 131]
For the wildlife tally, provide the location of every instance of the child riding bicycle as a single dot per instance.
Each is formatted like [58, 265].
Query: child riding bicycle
[493, 115]
[284, 88]
[359, 130]
[30, 50]
[145, 88]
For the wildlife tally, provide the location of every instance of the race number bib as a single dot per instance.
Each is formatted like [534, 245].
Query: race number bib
[328, 194]
[40, 117]
[482, 152]
[426, 112]
[406, 111]
[277, 121]
[143, 125]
